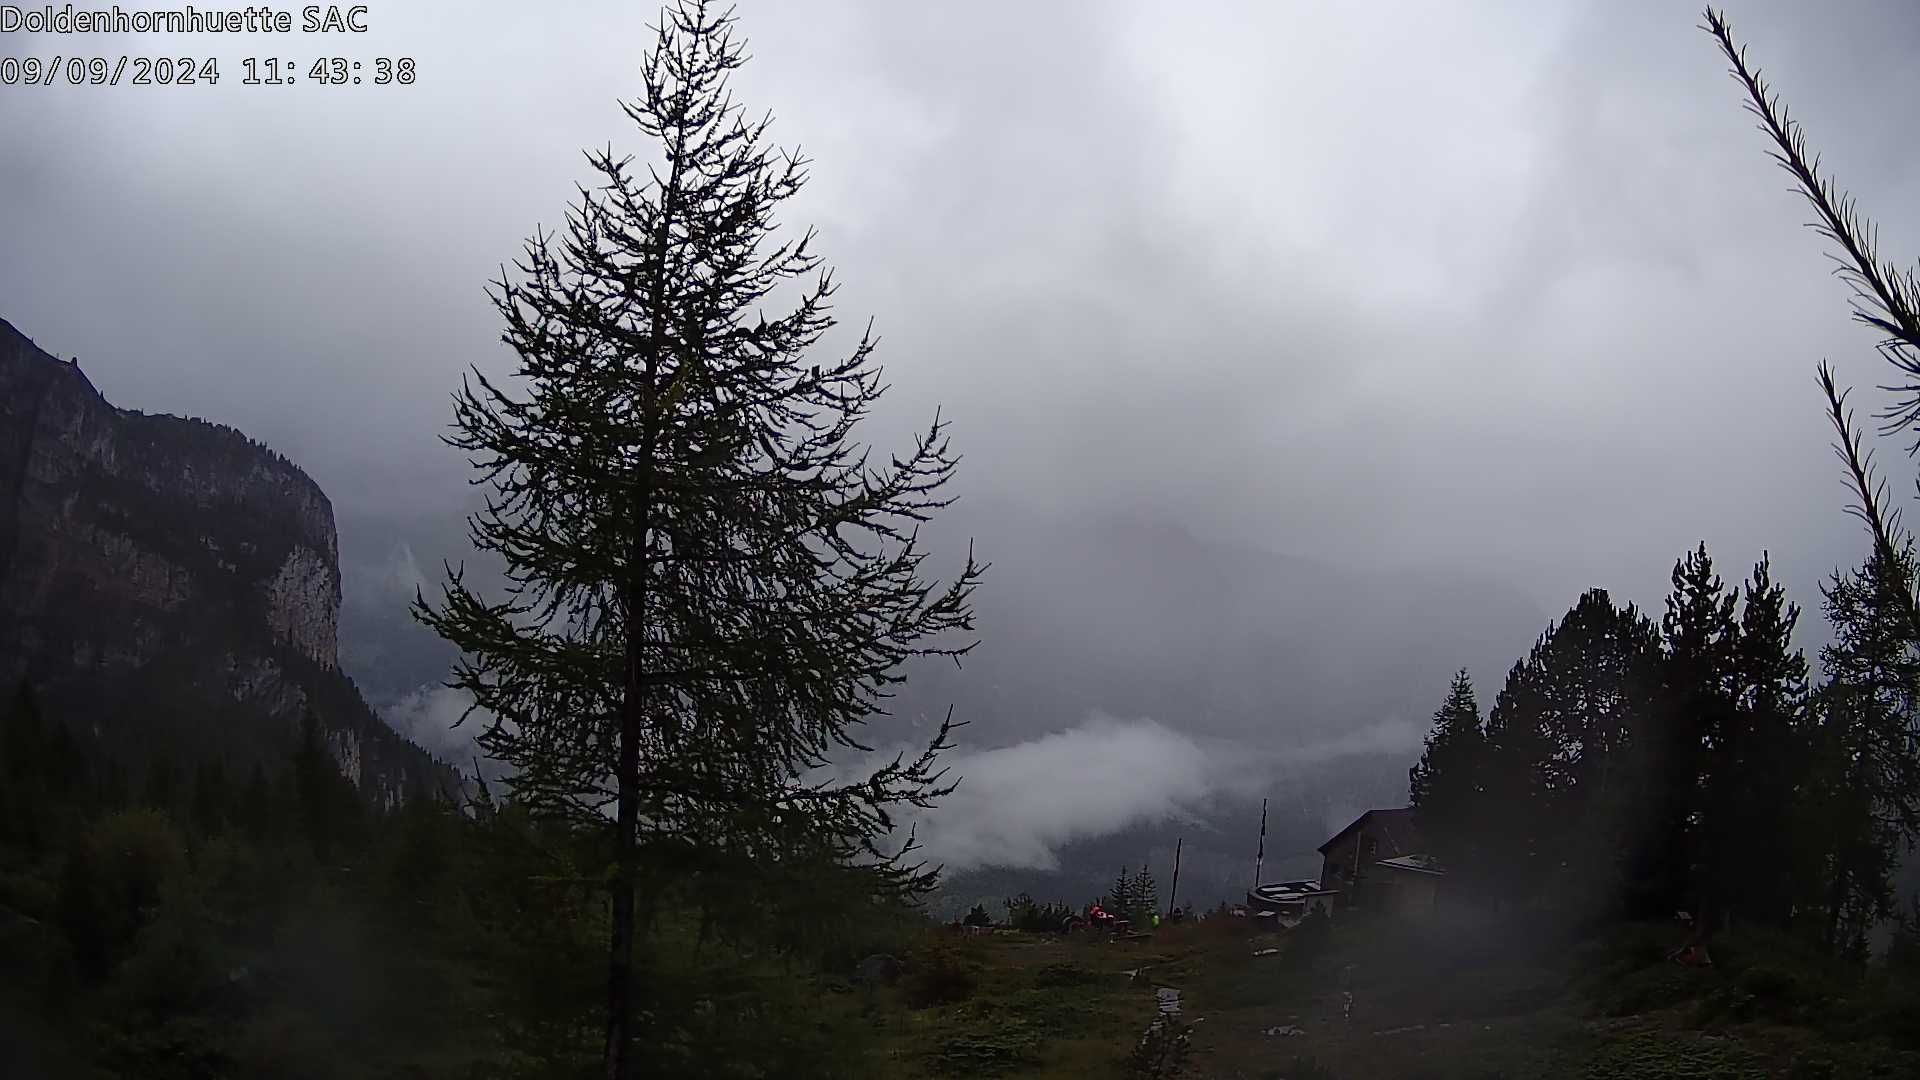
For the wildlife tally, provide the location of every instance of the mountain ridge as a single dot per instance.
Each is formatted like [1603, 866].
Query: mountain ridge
[173, 582]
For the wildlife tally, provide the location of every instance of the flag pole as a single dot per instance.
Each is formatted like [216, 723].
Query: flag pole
[1173, 894]
[1260, 854]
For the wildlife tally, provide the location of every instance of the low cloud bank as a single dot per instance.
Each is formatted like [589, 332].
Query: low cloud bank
[428, 715]
[1016, 806]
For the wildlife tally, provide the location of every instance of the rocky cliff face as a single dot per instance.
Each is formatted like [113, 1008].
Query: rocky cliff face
[171, 578]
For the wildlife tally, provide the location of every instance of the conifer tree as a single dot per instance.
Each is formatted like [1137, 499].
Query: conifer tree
[712, 584]
[1845, 846]
[1872, 656]
[1514, 783]
[312, 774]
[1120, 894]
[1446, 784]
[329, 809]
[1145, 899]
[37, 766]
[1757, 764]
[63, 767]
[210, 800]
[1860, 801]
[162, 788]
[1701, 635]
[112, 792]
[1566, 742]
[257, 805]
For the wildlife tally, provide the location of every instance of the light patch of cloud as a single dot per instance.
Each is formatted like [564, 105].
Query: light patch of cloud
[387, 582]
[1392, 735]
[431, 717]
[403, 579]
[1016, 806]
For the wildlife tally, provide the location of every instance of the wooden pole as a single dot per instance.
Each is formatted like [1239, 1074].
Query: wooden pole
[1260, 854]
[1173, 894]
[1359, 841]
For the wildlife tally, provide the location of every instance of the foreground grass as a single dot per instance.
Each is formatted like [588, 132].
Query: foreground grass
[1379, 1001]
[342, 989]
[1009, 1004]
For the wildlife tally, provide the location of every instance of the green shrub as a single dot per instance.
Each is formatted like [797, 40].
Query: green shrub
[174, 963]
[1893, 1012]
[113, 882]
[937, 974]
[1024, 913]
[882, 928]
[1657, 987]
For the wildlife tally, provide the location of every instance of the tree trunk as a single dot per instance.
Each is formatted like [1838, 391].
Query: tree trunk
[1836, 899]
[620, 955]
[619, 1048]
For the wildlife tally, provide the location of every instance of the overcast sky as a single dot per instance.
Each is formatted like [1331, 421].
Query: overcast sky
[1509, 287]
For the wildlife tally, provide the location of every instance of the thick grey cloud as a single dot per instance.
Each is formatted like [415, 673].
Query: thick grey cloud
[1504, 287]
[1015, 806]
[438, 718]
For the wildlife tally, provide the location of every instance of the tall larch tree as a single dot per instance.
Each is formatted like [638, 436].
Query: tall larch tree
[712, 585]
[1886, 300]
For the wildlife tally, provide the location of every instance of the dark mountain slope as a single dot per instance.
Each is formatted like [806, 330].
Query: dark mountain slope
[172, 586]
